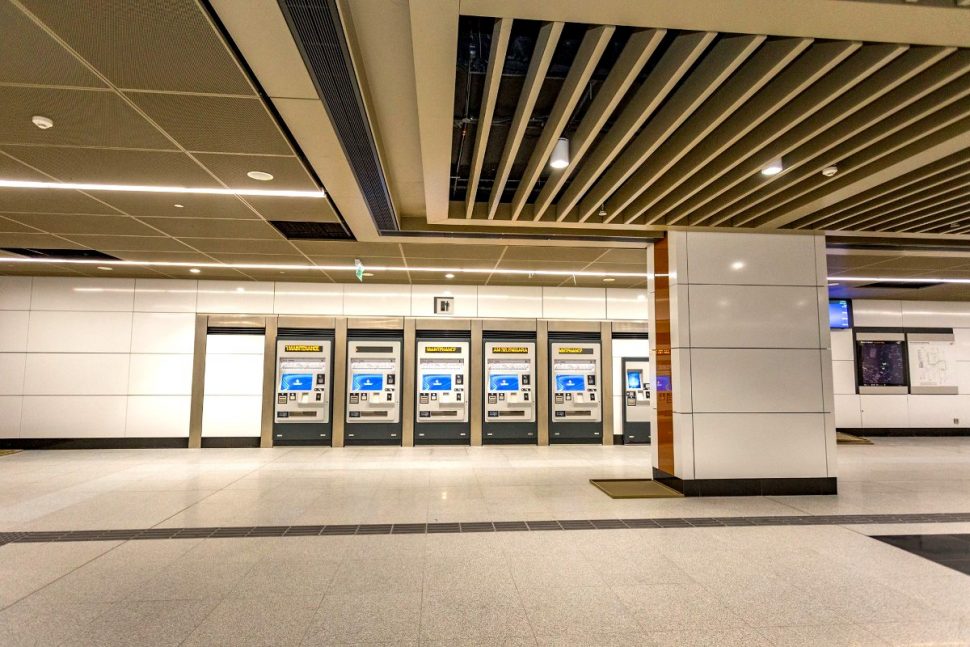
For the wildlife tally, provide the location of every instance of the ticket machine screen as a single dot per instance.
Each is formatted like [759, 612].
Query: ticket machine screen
[296, 382]
[570, 383]
[436, 383]
[367, 382]
[634, 380]
[503, 382]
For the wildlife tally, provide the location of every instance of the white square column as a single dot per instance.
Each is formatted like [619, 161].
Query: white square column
[741, 348]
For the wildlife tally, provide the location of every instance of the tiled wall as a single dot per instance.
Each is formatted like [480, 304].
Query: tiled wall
[854, 411]
[113, 357]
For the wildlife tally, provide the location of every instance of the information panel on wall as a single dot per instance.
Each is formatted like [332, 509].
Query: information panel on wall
[932, 363]
[881, 363]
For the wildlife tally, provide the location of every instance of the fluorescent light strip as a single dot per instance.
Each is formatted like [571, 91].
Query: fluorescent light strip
[136, 188]
[875, 279]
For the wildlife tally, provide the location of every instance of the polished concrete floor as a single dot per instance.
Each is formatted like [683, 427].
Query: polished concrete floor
[811, 585]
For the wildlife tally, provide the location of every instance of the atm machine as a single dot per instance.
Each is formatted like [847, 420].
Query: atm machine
[576, 403]
[303, 409]
[441, 386]
[373, 387]
[509, 366]
[635, 372]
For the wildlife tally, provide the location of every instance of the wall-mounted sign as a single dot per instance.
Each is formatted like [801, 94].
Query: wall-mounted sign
[932, 363]
[444, 305]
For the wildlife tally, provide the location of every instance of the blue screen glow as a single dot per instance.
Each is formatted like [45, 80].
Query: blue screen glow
[367, 382]
[503, 382]
[634, 380]
[436, 383]
[839, 313]
[296, 382]
[570, 383]
[663, 383]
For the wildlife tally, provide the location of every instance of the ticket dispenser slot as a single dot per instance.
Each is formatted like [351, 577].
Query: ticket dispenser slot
[303, 407]
[373, 388]
[576, 407]
[441, 384]
[635, 376]
[509, 384]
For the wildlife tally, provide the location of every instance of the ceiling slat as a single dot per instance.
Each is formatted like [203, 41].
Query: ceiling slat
[675, 63]
[919, 219]
[541, 57]
[766, 64]
[590, 50]
[635, 55]
[493, 78]
[898, 209]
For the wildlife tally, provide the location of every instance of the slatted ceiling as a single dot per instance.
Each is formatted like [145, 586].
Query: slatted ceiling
[545, 46]
[950, 212]
[576, 82]
[713, 70]
[637, 51]
[678, 58]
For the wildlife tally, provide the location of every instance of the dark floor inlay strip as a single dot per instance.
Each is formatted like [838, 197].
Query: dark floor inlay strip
[540, 525]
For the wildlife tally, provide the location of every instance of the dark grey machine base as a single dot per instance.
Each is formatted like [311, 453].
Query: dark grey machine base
[575, 433]
[748, 487]
[636, 433]
[94, 443]
[442, 433]
[373, 434]
[900, 432]
[509, 433]
[302, 434]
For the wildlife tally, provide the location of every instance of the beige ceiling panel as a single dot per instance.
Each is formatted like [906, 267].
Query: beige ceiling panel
[452, 263]
[451, 251]
[29, 55]
[620, 268]
[114, 166]
[214, 228]
[108, 244]
[348, 261]
[169, 257]
[194, 205]
[38, 241]
[294, 209]
[636, 257]
[81, 118]
[85, 224]
[537, 253]
[133, 44]
[128, 272]
[598, 282]
[262, 259]
[288, 172]
[309, 276]
[50, 201]
[239, 246]
[214, 124]
[924, 263]
[550, 266]
[9, 225]
[348, 248]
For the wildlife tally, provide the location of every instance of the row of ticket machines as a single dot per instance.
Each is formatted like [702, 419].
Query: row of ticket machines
[442, 382]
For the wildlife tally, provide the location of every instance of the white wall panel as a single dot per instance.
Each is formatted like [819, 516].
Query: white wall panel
[234, 344]
[422, 300]
[231, 415]
[165, 295]
[13, 330]
[15, 292]
[936, 314]
[73, 416]
[884, 411]
[624, 304]
[10, 406]
[828, 390]
[843, 377]
[747, 380]
[82, 294]
[939, 411]
[751, 259]
[574, 303]
[744, 316]
[961, 337]
[963, 373]
[245, 297]
[842, 348]
[376, 299]
[515, 302]
[683, 445]
[680, 380]
[309, 299]
[12, 366]
[848, 412]
[158, 416]
[160, 375]
[79, 332]
[877, 313]
[76, 374]
[233, 374]
[157, 332]
[759, 445]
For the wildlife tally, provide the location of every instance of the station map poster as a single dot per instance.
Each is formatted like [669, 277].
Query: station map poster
[932, 363]
[882, 363]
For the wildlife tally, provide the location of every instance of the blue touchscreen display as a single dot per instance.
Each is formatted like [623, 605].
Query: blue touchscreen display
[296, 382]
[839, 316]
[570, 383]
[503, 382]
[634, 380]
[367, 382]
[436, 383]
[663, 383]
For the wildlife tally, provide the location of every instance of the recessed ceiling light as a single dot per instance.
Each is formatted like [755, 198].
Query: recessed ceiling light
[830, 171]
[560, 154]
[42, 122]
[449, 275]
[240, 289]
[737, 265]
[608, 279]
[105, 269]
[195, 270]
[602, 212]
[262, 176]
[774, 167]
[178, 206]
[140, 188]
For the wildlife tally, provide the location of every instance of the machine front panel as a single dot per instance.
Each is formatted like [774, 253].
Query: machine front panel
[575, 382]
[441, 383]
[509, 382]
[636, 400]
[373, 381]
[302, 381]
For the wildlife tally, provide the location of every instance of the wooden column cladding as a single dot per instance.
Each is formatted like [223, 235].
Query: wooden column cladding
[664, 434]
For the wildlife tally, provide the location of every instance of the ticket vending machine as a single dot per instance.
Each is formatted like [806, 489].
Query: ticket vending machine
[635, 373]
[509, 382]
[304, 382]
[441, 386]
[576, 404]
[373, 388]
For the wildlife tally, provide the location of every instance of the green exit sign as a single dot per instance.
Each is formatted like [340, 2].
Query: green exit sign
[359, 270]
